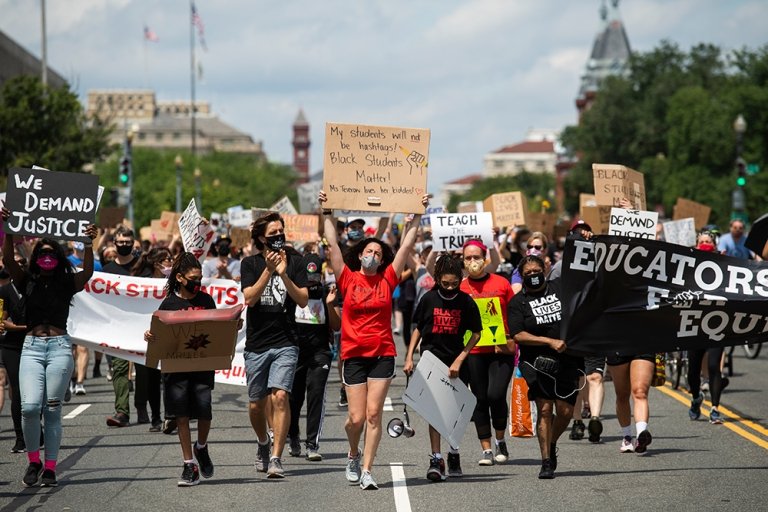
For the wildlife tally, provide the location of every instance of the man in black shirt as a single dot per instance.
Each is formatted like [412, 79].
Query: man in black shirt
[273, 284]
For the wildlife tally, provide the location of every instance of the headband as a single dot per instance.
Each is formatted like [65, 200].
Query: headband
[476, 243]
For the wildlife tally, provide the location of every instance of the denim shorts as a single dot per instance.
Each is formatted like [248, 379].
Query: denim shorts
[271, 369]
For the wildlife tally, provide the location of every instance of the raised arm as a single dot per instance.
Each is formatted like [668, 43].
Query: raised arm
[82, 277]
[11, 265]
[329, 229]
[408, 240]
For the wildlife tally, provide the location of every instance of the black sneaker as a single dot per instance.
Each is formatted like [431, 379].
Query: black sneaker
[49, 479]
[644, 438]
[577, 431]
[19, 446]
[553, 455]
[502, 454]
[130, 386]
[343, 398]
[454, 465]
[295, 447]
[206, 465]
[157, 425]
[32, 474]
[169, 426]
[142, 417]
[595, 428]
[547, 470]
[190, 475]
[96, 372]
[118, 420]
[262, 457]
[436, 471]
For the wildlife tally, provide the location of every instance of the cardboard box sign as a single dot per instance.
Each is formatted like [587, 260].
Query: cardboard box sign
[193, 340]
[302, 228]
[598, 218]
[685, 208]
[612, 182]
[111, 216]
[375, 168]
[508, 208]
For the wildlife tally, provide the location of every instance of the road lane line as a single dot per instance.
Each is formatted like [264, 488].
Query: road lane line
[402, 501]
[683, 399]
[77, 410]
[388, 404]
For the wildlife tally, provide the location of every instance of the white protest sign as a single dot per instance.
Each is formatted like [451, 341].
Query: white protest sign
[451, 230]
[308, 193]
[445, 403]
[425, 220]
[196, 232]
[284, 206]
[633, 223]
[681, 232]
[241, 218]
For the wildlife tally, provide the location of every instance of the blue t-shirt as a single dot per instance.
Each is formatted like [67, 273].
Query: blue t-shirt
[734, 248]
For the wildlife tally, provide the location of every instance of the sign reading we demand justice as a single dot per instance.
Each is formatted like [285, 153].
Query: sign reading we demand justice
[54, 204]
[375, 168]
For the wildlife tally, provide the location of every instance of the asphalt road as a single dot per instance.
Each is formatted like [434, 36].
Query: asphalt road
[690, 465]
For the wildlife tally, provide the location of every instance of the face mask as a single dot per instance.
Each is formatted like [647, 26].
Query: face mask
[533, 252]
[136, 253]
[166, 271]
[355, 234]
[475, 267]
[193, 286]
[534, 281]
[446, 293]
[124, 250]
[706, 247]
[275, 242]
[369, 262]
[224, 251]
[47, 262]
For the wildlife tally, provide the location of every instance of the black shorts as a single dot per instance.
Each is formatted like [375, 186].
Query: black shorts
[594, 364]
[357, 370]
[188, 394]
[619, 360]
[562, 386]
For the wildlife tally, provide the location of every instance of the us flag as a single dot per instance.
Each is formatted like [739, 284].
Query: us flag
[197, 21]
[150, 35]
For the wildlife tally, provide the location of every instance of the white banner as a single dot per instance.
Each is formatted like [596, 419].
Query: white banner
[113, 311]
[451, 230]
[633, 223]
[681, 232]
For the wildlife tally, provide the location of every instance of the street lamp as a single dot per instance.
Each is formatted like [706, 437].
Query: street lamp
[198, 192]
[738, 199]
[178, 163]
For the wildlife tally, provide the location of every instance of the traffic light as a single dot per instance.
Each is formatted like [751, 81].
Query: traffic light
[125, 170]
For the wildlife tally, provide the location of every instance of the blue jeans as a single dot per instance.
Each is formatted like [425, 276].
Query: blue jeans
[44, 373]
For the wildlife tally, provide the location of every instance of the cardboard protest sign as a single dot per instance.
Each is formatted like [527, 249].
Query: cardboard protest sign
[685, 208]
[193, 340]
[598, 218]
[169, 222]
[158, 232]
[240, 237]
[544, 222]
[494, 331]
[508, 208]
[111, 216]
[469, 207]
[352, 214]
[376, 168]
[55, 204]
[613, 182]
[586, 200]
[445, 403]
[302, 228]
[145, 233]
[633, 223]
[196, 233]
[308, 193]
[451, 230]
[681, 232]
[284, 206]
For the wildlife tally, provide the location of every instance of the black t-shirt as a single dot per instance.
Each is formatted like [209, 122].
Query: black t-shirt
[113, 267]
[271, 321]
[539, 314]
[48, 299]
[443, 322]
[12, 303]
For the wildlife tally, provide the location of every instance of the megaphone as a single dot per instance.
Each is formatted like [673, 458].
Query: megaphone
[397, 427]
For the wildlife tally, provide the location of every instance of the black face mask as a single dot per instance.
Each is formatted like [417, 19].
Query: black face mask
[223, 251]
[275, 242]
[534, 281]
[446, 293]
[193, 286]
[124, 250]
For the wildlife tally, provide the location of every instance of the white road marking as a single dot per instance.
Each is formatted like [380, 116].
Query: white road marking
[388, 404]
[77, 410]
[402, 501]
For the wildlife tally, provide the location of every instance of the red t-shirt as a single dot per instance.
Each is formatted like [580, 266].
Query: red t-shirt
[366, 319]
[491, 285]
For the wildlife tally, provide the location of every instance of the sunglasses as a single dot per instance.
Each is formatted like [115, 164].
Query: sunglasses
[46, 252]
[537, 247]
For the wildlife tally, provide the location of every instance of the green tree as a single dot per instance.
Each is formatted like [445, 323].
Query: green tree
[672, 119]
[47, 126]
[535, 186]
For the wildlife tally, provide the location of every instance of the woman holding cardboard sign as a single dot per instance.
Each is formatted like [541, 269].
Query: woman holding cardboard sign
[46, 361]
[367, 345]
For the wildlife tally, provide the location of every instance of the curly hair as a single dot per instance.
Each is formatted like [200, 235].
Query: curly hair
[531, 259]
[352, 256]
[447, 265]
[181, 265]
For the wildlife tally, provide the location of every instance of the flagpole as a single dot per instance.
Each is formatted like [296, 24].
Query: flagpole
[192, 79]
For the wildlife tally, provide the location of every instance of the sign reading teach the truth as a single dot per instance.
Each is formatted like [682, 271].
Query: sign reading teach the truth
[196, 232]
[55, 204]
[451, 230]
[375, 168]
[614, 182]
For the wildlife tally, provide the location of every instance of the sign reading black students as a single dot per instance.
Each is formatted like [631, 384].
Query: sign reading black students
[54, 204]
[633, 296]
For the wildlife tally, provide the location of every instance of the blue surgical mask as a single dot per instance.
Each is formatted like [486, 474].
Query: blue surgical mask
[355, 234]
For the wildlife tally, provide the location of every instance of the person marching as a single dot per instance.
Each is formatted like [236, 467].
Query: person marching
[442, 317]
[46, 363]
[368, 351]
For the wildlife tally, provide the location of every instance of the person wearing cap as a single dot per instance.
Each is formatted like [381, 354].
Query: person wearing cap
[538, 245]
[222, 265]
[580, 230]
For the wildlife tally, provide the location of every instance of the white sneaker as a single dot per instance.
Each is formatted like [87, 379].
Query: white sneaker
[367, 482]
[79, 389]
[627, 445]
[487, 459]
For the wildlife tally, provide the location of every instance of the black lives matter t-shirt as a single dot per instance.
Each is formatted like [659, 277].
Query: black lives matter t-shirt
[537, 313]
[271, 320]
[442, 323]
[172, 302]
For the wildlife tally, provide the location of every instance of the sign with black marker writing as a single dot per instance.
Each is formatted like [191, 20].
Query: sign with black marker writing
[614, 182]
[54, 204]
[375, 168]
[451, 230]
[196, 232]
[633, 223]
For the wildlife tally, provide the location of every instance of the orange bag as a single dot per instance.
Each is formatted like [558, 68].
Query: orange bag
[522, 415]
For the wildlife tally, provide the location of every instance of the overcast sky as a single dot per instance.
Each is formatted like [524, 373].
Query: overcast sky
[478, 73]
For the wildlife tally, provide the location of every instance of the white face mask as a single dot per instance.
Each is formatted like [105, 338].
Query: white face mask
[166, 271]
[369, 262]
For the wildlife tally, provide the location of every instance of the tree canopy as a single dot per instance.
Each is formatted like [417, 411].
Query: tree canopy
[672, 118]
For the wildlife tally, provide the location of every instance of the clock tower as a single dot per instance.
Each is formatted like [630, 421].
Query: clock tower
[301, 147]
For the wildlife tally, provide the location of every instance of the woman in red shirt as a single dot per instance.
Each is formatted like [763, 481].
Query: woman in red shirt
[366, 283]
[490, 367]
